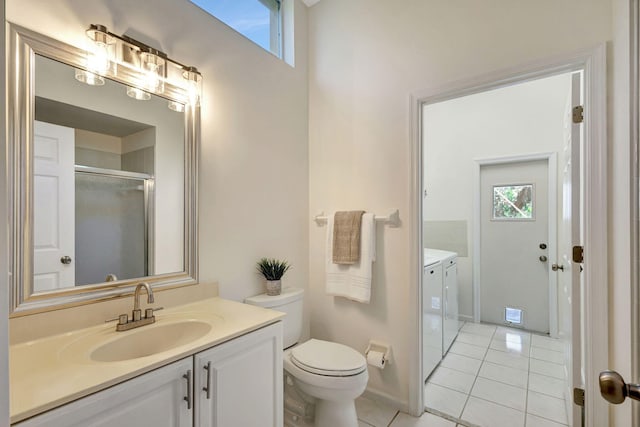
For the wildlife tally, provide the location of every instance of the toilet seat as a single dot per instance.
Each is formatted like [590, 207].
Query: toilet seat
[328, 359]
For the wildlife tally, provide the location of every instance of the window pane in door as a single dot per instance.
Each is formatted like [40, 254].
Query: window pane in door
[513, 201]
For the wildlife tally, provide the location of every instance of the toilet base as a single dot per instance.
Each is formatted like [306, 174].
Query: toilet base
[336, 413]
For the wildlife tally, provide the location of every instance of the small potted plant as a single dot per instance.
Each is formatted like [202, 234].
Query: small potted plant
[273, 270]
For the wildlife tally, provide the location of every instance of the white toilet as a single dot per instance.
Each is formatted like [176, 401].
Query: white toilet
[333, 374]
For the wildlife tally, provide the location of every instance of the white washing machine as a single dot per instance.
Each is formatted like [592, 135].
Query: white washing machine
[439, 306]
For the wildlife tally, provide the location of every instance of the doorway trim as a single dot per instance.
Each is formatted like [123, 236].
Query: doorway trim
[593, 62]
[552, 172]
[634, 134]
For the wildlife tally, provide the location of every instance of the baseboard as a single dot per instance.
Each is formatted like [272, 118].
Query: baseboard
[382, 397]
[465, 318]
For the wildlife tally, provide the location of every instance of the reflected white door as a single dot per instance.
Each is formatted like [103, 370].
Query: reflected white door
[569, 275]
[53, 207]
[514, 246]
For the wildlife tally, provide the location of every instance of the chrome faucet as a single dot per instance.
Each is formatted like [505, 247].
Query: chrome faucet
[136, 295]
[124, 323]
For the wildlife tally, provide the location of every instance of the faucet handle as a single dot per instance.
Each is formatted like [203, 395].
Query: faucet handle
[149, 311]
[122, 319]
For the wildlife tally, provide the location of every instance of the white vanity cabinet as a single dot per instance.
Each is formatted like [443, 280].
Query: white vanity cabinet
[239, 383]
[236, 383]
[153, 399]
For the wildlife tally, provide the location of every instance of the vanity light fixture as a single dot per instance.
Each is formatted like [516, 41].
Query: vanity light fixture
[151, 70]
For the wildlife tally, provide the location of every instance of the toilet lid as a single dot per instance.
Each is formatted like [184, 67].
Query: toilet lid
[328, 358]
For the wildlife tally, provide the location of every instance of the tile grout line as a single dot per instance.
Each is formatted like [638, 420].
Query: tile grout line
[477, 374]
[393, 419]
[526, 400]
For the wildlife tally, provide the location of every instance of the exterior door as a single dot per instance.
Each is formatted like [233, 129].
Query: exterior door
[514, 246]
[53, 207]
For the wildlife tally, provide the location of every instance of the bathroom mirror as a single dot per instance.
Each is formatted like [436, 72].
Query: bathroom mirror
[104, 186]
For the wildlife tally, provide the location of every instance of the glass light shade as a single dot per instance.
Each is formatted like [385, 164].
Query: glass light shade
[99, 53]
[178, 107]
[194, 85]
[138, 94]
[89, 78]
[153, 66]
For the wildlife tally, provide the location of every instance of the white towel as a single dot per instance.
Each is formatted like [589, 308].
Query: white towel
[352, 281]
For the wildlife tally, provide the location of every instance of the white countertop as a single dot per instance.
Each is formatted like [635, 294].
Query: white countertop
[52, 371]
[432, 256]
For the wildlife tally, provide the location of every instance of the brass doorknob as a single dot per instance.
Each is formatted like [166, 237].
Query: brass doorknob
[615, 390]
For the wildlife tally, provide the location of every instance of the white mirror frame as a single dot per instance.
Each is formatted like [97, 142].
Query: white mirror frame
[24, 44]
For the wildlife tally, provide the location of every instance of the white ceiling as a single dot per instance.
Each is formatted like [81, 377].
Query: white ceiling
[310, 3]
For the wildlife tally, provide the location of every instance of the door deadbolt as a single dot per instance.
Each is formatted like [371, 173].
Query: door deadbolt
[65, 259]
[543, 246]
[542, 258]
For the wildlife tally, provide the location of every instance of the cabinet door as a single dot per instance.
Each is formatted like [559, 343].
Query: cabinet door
[239, 383]
[151, 400]
[450, 315]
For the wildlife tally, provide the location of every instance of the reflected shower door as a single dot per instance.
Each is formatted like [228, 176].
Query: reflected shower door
[111, 228]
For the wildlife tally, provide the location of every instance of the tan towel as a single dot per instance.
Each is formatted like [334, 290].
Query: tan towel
[353, 281]
[346, 237]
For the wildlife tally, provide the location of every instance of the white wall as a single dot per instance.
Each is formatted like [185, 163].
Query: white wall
[254, 155]
[366, 58]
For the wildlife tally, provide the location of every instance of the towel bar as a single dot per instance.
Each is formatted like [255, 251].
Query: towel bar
[393, 219]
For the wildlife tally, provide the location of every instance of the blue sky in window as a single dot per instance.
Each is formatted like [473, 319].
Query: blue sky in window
[248, 17]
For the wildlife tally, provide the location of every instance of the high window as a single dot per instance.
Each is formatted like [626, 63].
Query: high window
[257, 20]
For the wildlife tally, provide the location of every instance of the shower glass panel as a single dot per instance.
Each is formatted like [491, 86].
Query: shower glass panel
[111, 227]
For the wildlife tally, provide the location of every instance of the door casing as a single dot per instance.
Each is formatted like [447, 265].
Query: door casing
[594, 65]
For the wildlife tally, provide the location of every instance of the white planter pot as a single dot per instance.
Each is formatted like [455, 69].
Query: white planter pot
[274, 287]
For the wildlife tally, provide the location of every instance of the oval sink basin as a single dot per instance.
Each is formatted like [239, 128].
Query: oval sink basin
[149, 340]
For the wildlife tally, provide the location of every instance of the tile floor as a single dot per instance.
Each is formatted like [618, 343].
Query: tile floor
[497, 376]
[492, 376]
[376, 414]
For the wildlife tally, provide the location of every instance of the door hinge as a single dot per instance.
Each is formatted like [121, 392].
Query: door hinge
[578, 114]
[578, 396]
[578, 254]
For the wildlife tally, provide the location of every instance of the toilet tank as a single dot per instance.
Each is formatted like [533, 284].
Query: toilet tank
[290, 302]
